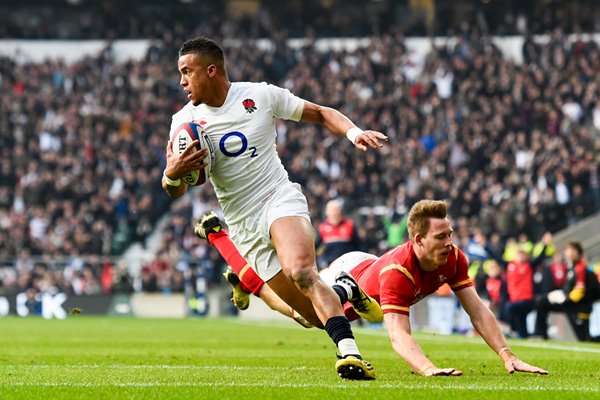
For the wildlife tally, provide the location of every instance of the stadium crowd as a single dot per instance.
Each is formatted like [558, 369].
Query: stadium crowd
[513, 148]
[318, 18]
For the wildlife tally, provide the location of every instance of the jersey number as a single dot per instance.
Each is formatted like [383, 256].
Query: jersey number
[244, 142]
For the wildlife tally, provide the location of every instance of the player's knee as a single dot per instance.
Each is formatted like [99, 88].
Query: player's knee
[304, 276]
[301, 268]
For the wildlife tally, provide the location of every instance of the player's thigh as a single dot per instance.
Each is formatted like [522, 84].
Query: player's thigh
[289, 293]
[346, 262]
[293, 237]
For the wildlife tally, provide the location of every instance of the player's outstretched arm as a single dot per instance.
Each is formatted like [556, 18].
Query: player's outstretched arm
[486, 325]
[338, 123]
[398, 326]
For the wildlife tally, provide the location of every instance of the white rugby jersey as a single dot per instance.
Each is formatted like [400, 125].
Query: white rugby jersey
[247, 168]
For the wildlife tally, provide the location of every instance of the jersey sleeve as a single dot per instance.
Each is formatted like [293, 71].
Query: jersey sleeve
[579, 289]
[178, 119]
[396, 290]
[284, 104]
[174, 125]
[461, 279]
[580, 270]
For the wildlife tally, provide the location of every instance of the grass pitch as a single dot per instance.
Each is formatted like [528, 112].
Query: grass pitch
[119, 358]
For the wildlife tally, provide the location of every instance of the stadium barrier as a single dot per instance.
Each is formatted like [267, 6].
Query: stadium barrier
[38, 51]
[438, 314]
[59, 305]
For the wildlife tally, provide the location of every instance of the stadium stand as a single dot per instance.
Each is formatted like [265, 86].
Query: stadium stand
[512, 146]
[81, 19]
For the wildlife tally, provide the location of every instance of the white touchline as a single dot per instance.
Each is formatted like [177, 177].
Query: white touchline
[149, 366]
[556, 346]
[415, 386]
[514, 344]
[420, 386]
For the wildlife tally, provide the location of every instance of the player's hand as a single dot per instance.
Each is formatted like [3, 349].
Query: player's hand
[514, 364]
[433, 371]
[184, 163]
[372, 139]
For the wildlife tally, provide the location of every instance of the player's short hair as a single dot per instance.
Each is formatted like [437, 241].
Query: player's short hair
[421, 212]
[203, 47]
[576, 246]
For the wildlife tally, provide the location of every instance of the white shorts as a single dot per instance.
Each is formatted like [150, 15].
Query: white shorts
[251, 236]
[345, 262]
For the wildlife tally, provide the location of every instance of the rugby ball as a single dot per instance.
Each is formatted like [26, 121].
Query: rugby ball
[183, 137]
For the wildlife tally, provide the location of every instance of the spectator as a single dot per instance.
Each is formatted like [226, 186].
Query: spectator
[553, 277]
[396, 229]
[122, 282]
[490, 283]
[575, 298]
[520, 286]
[337, 235]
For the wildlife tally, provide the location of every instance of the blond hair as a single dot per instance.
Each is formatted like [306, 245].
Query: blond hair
[421, 212]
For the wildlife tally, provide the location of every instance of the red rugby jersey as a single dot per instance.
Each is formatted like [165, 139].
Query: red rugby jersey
[519, 281]
[396, 281]
[494, 289]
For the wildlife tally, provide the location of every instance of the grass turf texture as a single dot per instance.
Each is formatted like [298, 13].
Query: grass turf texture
[113, 358]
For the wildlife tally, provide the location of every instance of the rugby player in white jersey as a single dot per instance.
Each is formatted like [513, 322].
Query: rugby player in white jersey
[267, 214]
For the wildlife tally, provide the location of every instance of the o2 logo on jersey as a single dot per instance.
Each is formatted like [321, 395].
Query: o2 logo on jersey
[234, 144]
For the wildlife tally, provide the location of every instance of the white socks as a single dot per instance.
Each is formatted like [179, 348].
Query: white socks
[348, 347]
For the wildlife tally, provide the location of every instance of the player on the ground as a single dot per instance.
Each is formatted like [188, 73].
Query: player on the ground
[267, 214]
[412, 271]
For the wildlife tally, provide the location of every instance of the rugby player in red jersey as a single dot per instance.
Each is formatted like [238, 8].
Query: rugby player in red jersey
[408, 273]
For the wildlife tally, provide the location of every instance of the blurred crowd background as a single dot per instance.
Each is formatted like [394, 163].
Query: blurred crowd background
[513, 148]
[88, 19]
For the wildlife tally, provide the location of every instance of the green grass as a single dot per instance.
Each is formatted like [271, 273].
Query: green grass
[113, 358]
